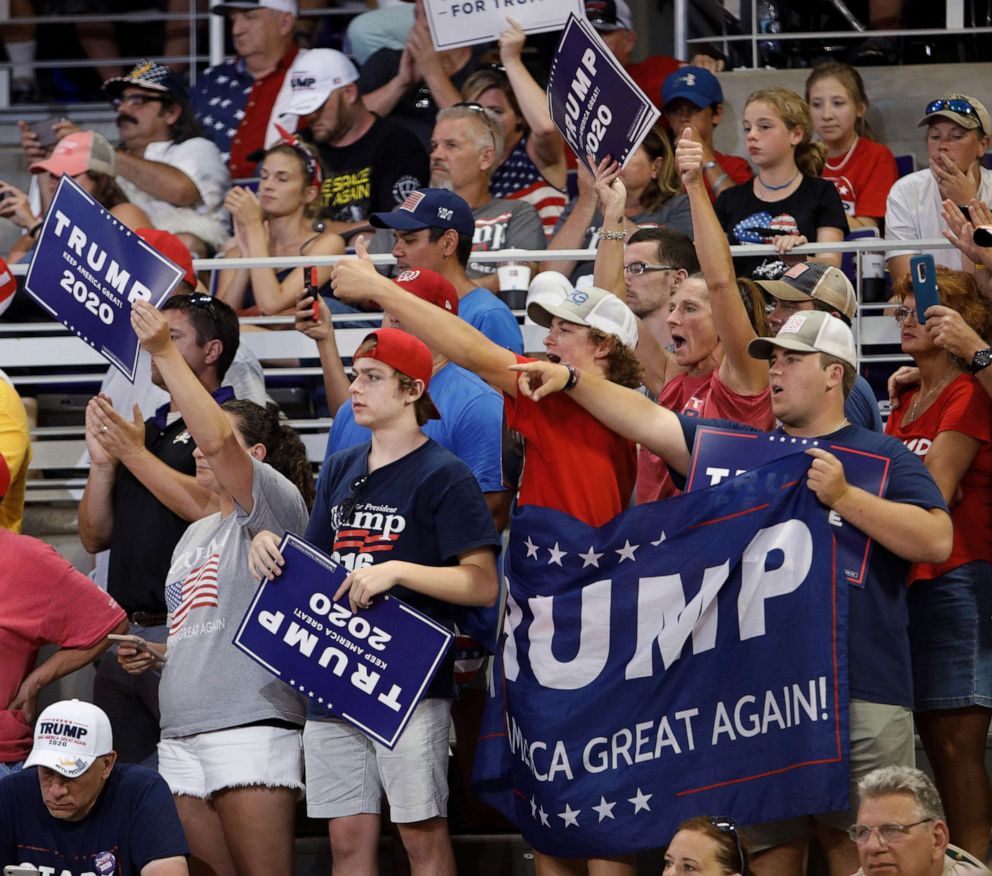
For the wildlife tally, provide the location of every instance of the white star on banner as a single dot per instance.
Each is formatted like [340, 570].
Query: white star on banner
[661, 538]
[604, 809]
[590, 558]
[533, 807]
[627, 551]
[544, 816]
[556, 555]
[531, 548]
[640, 801]
[320, 699]
[570, 816]
[221, 80]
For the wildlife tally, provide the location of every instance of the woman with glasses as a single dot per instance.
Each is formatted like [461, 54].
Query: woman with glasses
[958, 129]
[707, 846]
[278, 221]
[532, 166]
[231, 746]
[654, 196]
[947, 420]
[404, 516]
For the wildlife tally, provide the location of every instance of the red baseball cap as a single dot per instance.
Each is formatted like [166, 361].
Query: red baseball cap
[430, 286]
[172, 248]
[401, 350]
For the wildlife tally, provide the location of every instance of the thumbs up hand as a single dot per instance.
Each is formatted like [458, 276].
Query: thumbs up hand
[689, 157]
[351, 278]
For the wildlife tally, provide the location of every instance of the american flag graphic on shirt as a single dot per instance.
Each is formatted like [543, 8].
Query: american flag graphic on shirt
[197, 590]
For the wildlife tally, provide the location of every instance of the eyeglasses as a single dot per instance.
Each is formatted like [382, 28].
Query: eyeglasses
[901, 314]
[635, 269]
[887, 833]
[728, 825]
[136, 100]
[347, 507]
[477, 107]
[955, 106]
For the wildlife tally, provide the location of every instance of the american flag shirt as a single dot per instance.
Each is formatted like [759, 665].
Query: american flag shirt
[208, 684]
[518, 177]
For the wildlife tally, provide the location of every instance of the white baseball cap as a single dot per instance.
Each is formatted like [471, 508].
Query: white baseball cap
[69, 736]
[278, 5]
[810, 331]
[592, 307]
[314, 75]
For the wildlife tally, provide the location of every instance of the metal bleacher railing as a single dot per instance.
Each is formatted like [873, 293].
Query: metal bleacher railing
[45, 354]
[752, 33]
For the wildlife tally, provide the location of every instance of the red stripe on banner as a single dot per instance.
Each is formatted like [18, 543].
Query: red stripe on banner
[765, 775]
[730, 516]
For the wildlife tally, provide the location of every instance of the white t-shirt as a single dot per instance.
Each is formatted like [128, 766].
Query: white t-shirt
[200, 159]
[912, 212]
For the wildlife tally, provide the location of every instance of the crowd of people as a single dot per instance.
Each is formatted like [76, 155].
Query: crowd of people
[433, 156]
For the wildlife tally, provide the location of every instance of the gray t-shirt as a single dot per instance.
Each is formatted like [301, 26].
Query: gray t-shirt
[208, 684]
[504, 224]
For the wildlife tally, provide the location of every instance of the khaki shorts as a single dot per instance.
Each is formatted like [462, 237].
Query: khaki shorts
[881, 735]
[348, 773]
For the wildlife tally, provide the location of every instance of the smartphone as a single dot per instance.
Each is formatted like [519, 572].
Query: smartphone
[923, 273]
[47, 136]
[23, 870]
[138, 643]
[982, 235]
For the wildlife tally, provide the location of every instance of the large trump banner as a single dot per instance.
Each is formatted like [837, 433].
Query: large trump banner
[687, 658]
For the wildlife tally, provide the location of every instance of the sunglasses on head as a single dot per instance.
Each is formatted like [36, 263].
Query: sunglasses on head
[728, 825]
[956, 105]
[477, 107]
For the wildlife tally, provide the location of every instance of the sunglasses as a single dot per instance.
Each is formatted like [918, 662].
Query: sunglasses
[728, 825]
[957, 105]
[347, 507]
[477, 107]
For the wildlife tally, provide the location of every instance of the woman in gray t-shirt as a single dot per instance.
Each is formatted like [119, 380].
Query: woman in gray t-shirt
[231, 747]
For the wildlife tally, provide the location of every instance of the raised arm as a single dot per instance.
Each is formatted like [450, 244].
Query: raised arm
[208, 424]
[611, 194]
[739, 371]
[625, 411]
[545, 146]
[452, 337]
[321, 331]
[575, 223]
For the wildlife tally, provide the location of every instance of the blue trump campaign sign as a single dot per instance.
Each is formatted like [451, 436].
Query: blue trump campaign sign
[722, 453]
[592, 100]
[370, 668]
[87, 270]
[688, 657]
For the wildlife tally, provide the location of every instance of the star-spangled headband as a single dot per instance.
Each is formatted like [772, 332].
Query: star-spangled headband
[311, 163]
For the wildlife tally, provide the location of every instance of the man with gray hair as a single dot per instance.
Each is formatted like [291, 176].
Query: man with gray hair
[466, 147]
[901, 827]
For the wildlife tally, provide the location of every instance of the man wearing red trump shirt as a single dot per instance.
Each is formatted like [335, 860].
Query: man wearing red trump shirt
[45, 601]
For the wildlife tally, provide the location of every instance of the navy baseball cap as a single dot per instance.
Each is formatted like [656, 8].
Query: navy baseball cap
[150, 75]
[695, 84]
[428, 208]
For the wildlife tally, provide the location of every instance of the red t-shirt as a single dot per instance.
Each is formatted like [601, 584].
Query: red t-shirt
[651, 73]
[572, 462]
[251, 132]
[864, 180]
[734, 166]
[963, 407]
[45, 600]
[707, 396]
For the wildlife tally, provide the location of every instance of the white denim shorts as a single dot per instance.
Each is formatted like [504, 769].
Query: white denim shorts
[239, 757]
